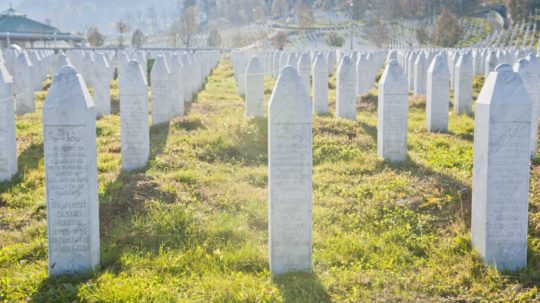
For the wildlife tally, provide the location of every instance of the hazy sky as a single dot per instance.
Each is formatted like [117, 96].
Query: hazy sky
[76, 15]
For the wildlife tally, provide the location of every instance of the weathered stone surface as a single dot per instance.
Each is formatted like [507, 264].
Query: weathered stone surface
[501, 170]
[289, 178]
[320, 85]
[438, 96]
[346, 89]
[134, 127]
[160, 92]
[254, 88]
[463, 84]
[392, 114]
[69, 123]
[8, 144]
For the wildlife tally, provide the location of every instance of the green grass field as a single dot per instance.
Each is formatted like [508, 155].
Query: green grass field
[192, 226]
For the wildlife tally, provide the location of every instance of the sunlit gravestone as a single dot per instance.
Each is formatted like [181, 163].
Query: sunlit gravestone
[501, 170]
[437, 95]
[290, 169]
[320, 85]
[304, 70]
[392, 114]
[160, 92]
[254, 88]
[134, 117]
[420, 75]
[346, 89]
[524, 69]
[71, 175]
[8, 144]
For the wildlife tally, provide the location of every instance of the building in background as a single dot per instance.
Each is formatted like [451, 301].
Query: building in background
[16, 28]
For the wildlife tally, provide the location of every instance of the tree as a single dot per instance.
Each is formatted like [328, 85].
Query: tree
[152, 16]
[188, 26]
[447, 31]
[137, 40]
[94, 37]
[214, 38]
[519, 9]
[122, 29]
[280, 39]
[304, 13]
[280, 7]
[423, 36]
[334, 39]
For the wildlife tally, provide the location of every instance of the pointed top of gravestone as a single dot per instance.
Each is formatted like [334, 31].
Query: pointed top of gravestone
[345, 66]
[289, 103]
[439, 65]
[5, 77]
[320, 61]
[134, 80]
[68, 99]
[254, 66]
[504, 87]
[176, 65]
[465, 61]
[160, 70]
[393, 79]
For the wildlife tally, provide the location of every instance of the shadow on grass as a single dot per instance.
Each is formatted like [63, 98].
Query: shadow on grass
[27, 161]
[61, 288]
[301, 287]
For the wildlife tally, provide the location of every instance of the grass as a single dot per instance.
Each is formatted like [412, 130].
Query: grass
[192, 226]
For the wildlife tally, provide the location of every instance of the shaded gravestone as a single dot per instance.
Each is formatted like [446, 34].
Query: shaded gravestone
[420, 75]
[320, 85]
[69, 124]
[188, 96]
[410, 70]
[102, 85]
[438, 96]
[524, 69]
[23, 85]
[501, 170]
[134, 128]
[176, 86]
[490, 62]
[289, 178]
[160, 92]
[8, 144]
[392, 114]
[463, 84]
[254, 88]
[346, 89]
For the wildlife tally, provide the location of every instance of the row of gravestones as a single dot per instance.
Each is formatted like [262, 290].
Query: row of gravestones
[69, 124]
[28, 68]
[505, 139]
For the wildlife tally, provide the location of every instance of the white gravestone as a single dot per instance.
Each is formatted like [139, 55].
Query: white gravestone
[363, 78]
[420, 75]
[134, 128]
[438, 96]
[346, 89]
[290, 170]
[463, 85]
[69, 124]
[160, 92]
[320, 85]
[501, 170]
[8, 144]
[392, 114]
[304, 70]
[254, 88]
[524, 70]
[176, 86]
[23, 85]
[102, 85]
